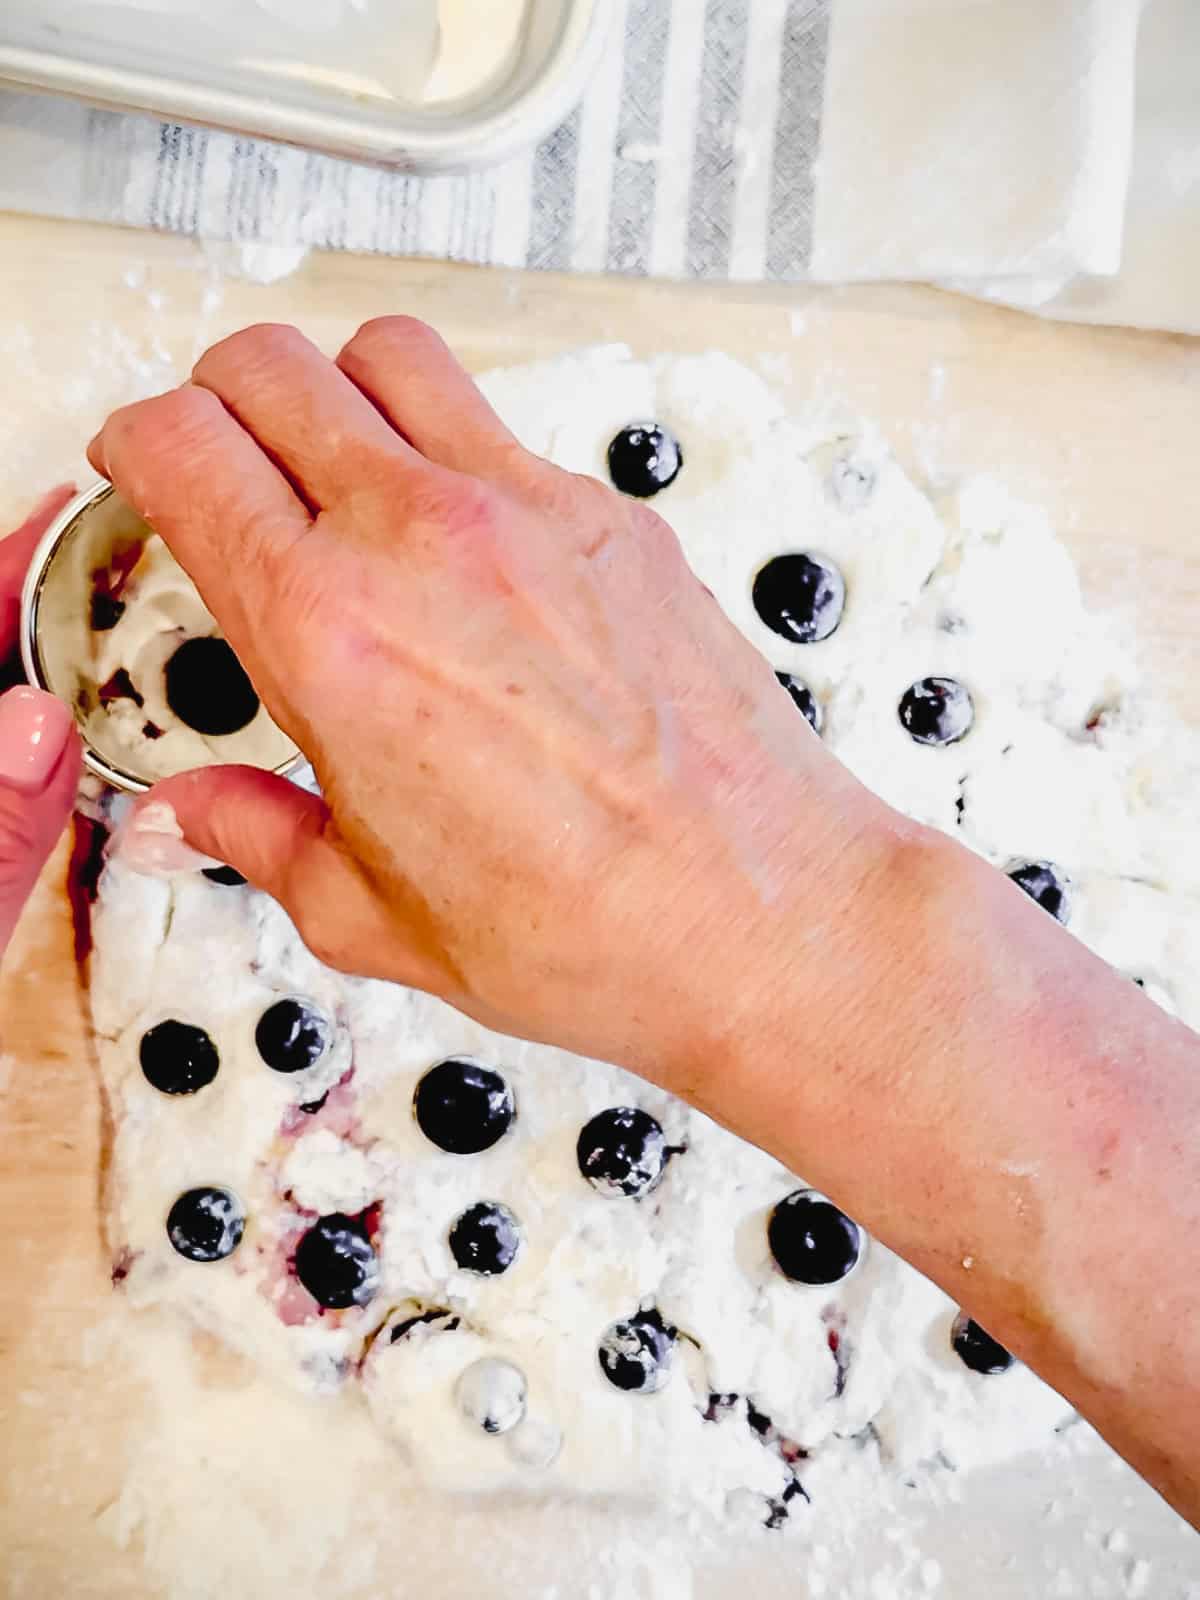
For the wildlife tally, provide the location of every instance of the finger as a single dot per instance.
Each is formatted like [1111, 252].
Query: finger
[39, 775]
[280, 838]
[200, 481]
[307, 415]
[16, 552]
[409, 372]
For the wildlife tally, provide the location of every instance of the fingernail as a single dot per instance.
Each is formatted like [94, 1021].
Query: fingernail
[150, 840]
[34, 729]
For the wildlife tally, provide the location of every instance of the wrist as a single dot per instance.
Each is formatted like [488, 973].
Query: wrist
[793, 993]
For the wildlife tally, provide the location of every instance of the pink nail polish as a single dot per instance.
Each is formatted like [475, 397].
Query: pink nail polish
[150, 840]
[34, 729]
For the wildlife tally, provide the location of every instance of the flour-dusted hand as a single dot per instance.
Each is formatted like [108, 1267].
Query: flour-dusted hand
[556, 778]
[39, 748]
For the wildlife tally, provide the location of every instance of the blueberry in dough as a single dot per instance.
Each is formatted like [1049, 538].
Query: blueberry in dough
[622, 1151]
[485, 1239]
[462, 1107]
[977, 1349]
[207, 687]
[206, 1224]
[292, 1036]
[230, 877]
[801, 597]
[936, 711]
[105, 612]
[336, 1263]
[811, 1240]
[644, 459]
[635, 1355]
[1046, 884]
[178, 1058]
[805, 700]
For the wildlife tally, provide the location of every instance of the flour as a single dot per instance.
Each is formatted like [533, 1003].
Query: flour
[852, 1392]
[251, 261]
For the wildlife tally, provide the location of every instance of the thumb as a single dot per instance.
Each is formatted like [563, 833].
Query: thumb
[241, 817]
[39, 774]
[277, 836]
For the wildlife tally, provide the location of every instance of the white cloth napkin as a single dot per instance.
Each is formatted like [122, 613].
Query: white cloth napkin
[1043, 153]
[1157, 281]
[975, 137]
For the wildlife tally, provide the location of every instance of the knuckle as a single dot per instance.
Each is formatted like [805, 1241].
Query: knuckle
[468, 509]
[388, 336]
[655, 535]
[142, 437]
[315, 929]
[569, 497]
[260, 347]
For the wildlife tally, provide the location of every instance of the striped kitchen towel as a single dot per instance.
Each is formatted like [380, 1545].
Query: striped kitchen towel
[692, 155]
[984, 143]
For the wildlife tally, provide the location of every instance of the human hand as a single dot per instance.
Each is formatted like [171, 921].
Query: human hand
[39, 748]
[556, 779]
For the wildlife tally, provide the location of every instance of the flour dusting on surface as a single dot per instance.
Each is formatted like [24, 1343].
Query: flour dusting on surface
[915, 1476]
[833, 1421]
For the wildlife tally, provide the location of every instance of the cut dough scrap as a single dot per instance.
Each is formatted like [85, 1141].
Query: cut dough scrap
[1065, 761]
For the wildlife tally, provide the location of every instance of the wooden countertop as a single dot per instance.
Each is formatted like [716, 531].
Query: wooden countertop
[1100, 426]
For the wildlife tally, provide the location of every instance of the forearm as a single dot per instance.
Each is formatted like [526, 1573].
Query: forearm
[1018, 1121]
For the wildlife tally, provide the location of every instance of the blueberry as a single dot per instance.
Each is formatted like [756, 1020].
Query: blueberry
[485, 1239]
[1047, 884]
[622, 1151]
[292, 1036]
[800, 597]
[811, 1240]
[636, 1355]
[230, 877]
[977, 1349]
[806, 702]
[206, 1224]
[207, 687]
[337, 1264]
[178, 1058]
[462, 1107]
[936, 711]
[106, 612]
[643, 459]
